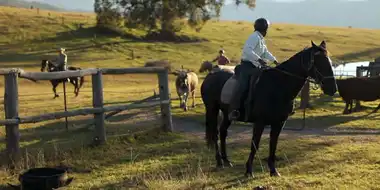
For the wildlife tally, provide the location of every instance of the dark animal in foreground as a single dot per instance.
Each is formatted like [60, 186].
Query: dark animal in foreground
[76, 81]
[359, 88]
[209, 67]
[271, 103]
[186, 83]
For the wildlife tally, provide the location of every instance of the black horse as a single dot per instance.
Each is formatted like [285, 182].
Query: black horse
[271, 102]
[76, 81]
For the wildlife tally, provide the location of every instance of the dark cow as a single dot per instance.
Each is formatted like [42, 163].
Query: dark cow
[359, 88]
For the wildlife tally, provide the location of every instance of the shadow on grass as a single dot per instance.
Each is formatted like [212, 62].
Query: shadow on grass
[355, 55]
[94, 37]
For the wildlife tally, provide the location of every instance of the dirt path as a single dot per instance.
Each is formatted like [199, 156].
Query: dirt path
[243, 132]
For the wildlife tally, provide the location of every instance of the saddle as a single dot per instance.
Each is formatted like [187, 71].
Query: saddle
[246, 103]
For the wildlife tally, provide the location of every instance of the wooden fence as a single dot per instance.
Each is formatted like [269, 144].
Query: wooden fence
[11, 105]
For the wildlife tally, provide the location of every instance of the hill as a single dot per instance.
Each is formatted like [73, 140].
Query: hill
[28, 4]
[26, 37]
[344, 13]
[137, 155]
[360, 14]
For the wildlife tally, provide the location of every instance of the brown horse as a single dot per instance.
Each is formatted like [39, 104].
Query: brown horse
[73, 80]
[209, 67]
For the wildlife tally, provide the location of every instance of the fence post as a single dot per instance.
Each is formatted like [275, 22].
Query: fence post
[305, 96]
[166, 115]
[97, 102]
[359, 73]
[11, 112]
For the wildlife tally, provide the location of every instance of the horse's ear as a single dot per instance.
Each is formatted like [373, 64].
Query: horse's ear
[313, 44]
[323, 44]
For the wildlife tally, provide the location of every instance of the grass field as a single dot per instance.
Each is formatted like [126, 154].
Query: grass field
[138, 155]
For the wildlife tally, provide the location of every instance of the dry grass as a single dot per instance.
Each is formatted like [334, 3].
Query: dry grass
[138, 156]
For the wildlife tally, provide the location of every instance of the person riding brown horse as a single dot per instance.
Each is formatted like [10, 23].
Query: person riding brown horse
[222, 58]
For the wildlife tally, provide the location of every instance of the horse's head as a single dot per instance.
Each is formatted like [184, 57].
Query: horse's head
[320, 68]
[205, 66]
[43, 64]
[181, 80]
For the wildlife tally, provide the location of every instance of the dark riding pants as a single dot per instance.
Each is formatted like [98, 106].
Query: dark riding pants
[247, 70]
[62, 67]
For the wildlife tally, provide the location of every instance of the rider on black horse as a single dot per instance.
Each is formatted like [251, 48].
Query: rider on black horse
[61, 61]
[254, 53]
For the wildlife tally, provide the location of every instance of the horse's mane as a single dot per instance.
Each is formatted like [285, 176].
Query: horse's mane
[292, 58]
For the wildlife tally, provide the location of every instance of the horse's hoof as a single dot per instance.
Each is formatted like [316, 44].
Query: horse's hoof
[249, 175]
[275, 174]
[219, 166]
[346, 112]
[185, 109]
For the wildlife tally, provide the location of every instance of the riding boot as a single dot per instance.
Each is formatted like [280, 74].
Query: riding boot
[247, 69]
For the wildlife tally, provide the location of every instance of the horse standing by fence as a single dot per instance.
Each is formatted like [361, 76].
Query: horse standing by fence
[76, 81]
[185, 83]
[271, 103]
[359, 88]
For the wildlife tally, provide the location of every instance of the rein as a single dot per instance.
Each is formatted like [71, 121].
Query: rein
[309, 79]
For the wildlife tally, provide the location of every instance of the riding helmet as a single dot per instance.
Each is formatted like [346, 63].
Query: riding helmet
[261, 24]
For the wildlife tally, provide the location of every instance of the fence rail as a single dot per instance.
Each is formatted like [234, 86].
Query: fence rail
[11, 96]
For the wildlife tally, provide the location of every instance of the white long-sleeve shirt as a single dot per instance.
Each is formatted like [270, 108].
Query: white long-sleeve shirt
[255, 48]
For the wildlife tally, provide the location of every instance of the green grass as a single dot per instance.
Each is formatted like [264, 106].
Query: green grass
[138, 156]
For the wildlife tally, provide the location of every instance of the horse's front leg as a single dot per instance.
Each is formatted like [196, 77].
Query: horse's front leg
[180, 100]
[223, 135]
[185, 101]
[258, 129]
[55, 84]
[274, 134]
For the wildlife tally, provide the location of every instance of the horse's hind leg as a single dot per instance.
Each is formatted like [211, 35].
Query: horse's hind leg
[212, 132]
[76, 88]
[274, 133]
[55, 90]
[256, 137]
[223, 135]
[193, 96]
[78, 85]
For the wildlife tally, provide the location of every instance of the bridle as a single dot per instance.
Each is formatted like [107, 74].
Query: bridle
[310, 67]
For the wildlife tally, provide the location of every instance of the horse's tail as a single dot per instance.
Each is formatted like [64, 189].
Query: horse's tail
[212, 125]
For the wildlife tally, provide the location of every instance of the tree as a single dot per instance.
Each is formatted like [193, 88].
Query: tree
[107, 13]
[162, 15]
